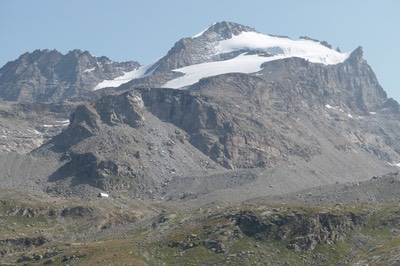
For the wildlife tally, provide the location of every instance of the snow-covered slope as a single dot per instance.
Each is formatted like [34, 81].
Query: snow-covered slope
[281, 46]
[227, 47]
[128, 76]
[240, 64]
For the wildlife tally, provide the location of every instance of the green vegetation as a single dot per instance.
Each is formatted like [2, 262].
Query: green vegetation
[99, 233]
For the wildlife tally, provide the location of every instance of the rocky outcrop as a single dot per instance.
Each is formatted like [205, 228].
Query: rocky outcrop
[10, 245]
[84, 123]
[122, 109]
[303, 231]
[45, 75]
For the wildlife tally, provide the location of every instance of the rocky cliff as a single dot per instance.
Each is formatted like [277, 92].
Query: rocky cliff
[351, 84]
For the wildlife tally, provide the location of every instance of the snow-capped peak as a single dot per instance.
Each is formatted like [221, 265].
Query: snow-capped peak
[226, 47]
[224, 30]
[278, 46]
[226, 37]
[248, 50]
[203, 31]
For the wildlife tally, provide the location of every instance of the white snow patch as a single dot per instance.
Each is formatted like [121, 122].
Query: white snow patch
[241, 64]
[330, 107]
[64, 122]
[128, 76]
[394, 164]
[341, 110]
[307, 49]
[372, 113]
[57, 123]
[89, 70]
[35, 131]
[103, 195]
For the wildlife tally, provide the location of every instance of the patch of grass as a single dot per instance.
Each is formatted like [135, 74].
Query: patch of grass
[333, 254]
[388, 249]
[247, 250]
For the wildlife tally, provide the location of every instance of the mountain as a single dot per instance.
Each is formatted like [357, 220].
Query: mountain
[48, 75]
[236, 147]
[116, 139]
[227, 47]
[224, 47]
[334, 117]
[292, 103]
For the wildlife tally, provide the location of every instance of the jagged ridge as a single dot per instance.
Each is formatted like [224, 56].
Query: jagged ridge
[48, 75]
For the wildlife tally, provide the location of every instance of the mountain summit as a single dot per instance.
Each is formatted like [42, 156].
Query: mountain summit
[223, 30]
[238, 48]
[199, 48]
[227, 47]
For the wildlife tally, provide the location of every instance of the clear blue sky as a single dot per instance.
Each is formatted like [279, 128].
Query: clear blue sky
[145, 30]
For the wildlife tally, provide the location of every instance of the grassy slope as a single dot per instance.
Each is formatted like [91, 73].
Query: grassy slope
[103, 234]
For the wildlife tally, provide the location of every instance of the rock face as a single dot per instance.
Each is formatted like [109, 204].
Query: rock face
[219, 127]
[45, 75]
[352, 84]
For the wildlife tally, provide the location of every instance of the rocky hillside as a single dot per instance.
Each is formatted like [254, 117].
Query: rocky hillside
[26, 126]
[118, 144]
